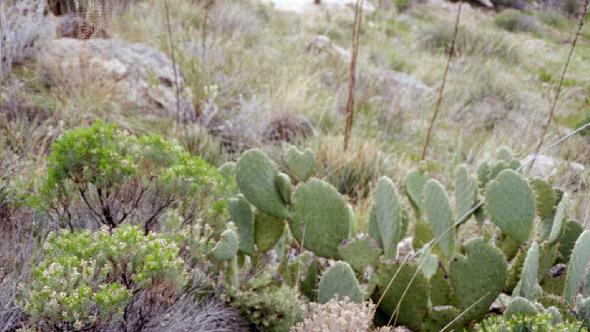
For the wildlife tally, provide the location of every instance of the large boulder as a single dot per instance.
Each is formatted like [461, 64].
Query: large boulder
[141, 75]
[21, 31]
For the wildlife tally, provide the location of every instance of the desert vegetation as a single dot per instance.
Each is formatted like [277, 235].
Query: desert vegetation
[278, 165]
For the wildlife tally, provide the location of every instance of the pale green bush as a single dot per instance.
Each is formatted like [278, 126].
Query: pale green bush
[87, 279]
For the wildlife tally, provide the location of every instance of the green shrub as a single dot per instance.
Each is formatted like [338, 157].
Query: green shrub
[87, 279]
[268, 306]
[515, 21]
[521, 323]
[103, 174]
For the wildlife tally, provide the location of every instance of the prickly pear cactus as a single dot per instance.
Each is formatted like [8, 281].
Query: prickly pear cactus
[583, 309]
[414, 185]
[515, 272]
[321, 218]
[386, 221]
[299, 164]
[520, 306]
[309, 285]
[243, 216]
[483, 174]
[339, 281]
[228, 170]
[256, 176]
[559, 220]
[572, 231]
[267, 231]
[546, 201]
[440, 317]
[478, 277]
[360, 253]
[576, 271]
[413, 307]
[285, 187]
[465, 192]
[441, 293]
[528, 286]
[503, 153]
[227, 246]
[510, 202]
[440, 217]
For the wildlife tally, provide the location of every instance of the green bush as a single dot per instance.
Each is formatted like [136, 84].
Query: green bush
[515, 21]
[521, 323]
[268, 306]
[103, 174]
[87, 279]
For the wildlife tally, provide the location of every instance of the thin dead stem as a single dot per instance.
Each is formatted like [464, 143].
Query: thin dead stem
[172, 55]
[444, 82]
[352, 79]
[545, 127]
[204, 27]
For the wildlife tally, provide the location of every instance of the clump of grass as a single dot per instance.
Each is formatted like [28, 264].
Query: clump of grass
[554, 19]
[472, 41]
[515, 21]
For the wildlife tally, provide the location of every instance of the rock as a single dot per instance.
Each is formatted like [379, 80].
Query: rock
[301, 6]
[23, 29]
[485, 3]
[287, 127]
[141, 75]
[393, 82]
[323, 44]
[546, 167]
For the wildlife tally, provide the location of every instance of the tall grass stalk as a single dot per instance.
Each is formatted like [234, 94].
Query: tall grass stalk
[352, 79]
[172, 55]
[444, 82]
[545, 127]
[204, 27]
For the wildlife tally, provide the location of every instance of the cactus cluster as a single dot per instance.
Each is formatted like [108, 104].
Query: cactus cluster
[524, 236]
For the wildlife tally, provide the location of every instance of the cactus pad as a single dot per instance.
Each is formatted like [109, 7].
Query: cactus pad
[413, 308]
[559, 220]
[571, 232]
[528, 286]
[465, 192]
[227, 246]
[256, 176]
[360, 253]
[300, 165]
[414, 185]
[386, 218]
[576, 271]
[339, 281]
[243, 216]
[267, 231]
[511, 205]
[285, 187]
[520, 306]
[321, 218]
[478, 277]
[440, 217]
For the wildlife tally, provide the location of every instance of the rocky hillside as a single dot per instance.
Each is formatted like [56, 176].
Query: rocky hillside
[172, 90]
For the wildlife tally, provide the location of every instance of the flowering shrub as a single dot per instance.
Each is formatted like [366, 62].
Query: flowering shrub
[339, 315]
[104, 174]
[87, 279]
